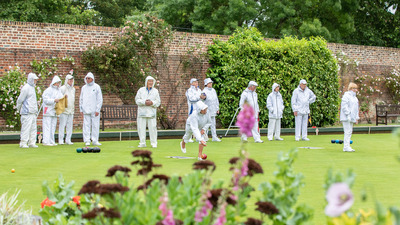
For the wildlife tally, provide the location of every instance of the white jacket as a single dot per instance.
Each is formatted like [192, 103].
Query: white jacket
[193, 95]
[252, 99]
[70, 92]
[91, 98]
[27, 102]
[301, 100]
[349, 107]
[49, 95]
[275, 103]
[142, 95]
[211, 101]
[198, 121]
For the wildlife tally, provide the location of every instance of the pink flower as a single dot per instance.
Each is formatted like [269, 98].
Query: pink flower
[246, 120]
[245, 167]
[221, 220]
[203, 212]
[169, 219]
[340, 199]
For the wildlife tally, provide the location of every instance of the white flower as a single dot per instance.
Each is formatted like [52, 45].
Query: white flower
[340, 198]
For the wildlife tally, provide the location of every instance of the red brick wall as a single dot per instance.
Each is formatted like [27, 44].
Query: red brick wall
[22, 42]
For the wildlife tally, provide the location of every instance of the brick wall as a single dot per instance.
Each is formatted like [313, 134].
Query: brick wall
[21, 42]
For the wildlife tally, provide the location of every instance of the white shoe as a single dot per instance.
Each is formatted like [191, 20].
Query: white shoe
[33, 146]
[45, 144]
[191, 141]
[216, 139]
[259, 141]
[305, 139]
[97, 143]
[154, 146]
[200, 159]
[269, 139]
[60, 143]
[142, 146]
[87, 143]
[297, 139]
[53, 144]
[349, 150]
[23, 146]
[69, 143]
[182, 149]
[279, 139]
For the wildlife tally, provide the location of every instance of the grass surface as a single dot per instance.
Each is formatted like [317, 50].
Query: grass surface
[374, 162]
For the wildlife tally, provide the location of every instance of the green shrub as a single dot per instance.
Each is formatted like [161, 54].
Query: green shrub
[247, 56]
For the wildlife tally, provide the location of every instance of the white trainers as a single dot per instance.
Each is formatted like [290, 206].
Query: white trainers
[154, 146]
[216, 139]
[200, 159]
[33, 146]
[97, 143]
[278, 139]
[23, 146]
[142, 146]
[349, 150]
[69, 143]
[297, 139]
[182, 149]
[60, 143]
[259, 141]
[45, 144]
[305, 139]
[87, 143]
[269, 139]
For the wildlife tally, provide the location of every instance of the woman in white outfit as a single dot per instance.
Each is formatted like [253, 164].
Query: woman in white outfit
[213, 106]
[349, 114]
[51, 96]
[249, 95]
[67, 117]
[301, 99]
[197, 124]
[275, 110]
[148, 99]
[28, 108]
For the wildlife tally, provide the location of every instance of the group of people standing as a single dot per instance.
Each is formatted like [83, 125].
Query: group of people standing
[59, 101]
[203, 107]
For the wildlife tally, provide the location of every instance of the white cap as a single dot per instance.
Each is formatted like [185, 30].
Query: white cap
[207, 80]
[252, 83]
[192, 80]
[302, 81]
[201, 105]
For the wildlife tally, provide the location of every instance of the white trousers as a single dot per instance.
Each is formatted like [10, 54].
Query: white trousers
[254, 132]
[28, 129]
[348, 130]
[213, 128]
[152, 125]
[301, 125]
[66, 123]
[90, 130]
[188, 134]
[274, 127]
[49, 129]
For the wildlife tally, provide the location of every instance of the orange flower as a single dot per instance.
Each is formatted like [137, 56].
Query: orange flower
[76, 200]
[47, 202]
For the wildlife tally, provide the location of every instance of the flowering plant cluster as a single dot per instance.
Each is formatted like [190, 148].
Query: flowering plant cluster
[135, 53]
[392, 83]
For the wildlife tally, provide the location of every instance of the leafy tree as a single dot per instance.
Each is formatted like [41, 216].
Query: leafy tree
[247, 56]
[377, 23]
[48, 11]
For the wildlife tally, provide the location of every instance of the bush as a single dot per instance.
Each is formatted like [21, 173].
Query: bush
[247, 56]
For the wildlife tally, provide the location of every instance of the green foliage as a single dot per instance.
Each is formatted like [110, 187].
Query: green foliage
[247, 56]
[11, 84]
[135, 53]
[65, 210]
[11, 213]
[284, 191]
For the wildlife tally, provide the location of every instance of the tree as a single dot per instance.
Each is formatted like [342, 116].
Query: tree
[377, 23]
[48, 11]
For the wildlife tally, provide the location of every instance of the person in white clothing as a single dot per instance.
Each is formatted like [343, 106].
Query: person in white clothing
[213, 106]
[51, 96]
[67, 117]
[275, 110]
[301, 99]
[90, 102]
[148, 99]
[249, 95]
[349, 114]
[27, 106]
[193, 95]
[197, 124]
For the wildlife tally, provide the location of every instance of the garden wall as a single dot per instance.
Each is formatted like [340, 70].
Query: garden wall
[21, 42]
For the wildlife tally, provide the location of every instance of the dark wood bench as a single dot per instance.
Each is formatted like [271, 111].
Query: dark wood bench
[385, 111]
[118, 112]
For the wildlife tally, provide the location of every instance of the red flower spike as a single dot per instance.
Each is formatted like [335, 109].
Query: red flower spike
[47, 202]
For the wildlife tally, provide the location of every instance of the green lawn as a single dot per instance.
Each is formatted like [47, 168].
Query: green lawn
[374, 162]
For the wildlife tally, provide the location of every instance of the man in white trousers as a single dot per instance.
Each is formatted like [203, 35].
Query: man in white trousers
[249, 95]
[27, 106]
[51, 96]
[213, 106]
[275, 111]
[67, 117]
[197, 124]
[193, 95]
[90, 102]
[148, 99]
[301, 99]
[349, 114]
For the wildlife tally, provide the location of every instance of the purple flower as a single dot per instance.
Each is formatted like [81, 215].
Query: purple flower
[339, 199]
[246, 120]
